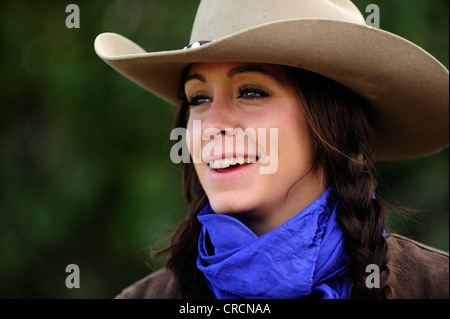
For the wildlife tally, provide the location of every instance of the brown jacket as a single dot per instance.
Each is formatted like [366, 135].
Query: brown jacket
[418, 272]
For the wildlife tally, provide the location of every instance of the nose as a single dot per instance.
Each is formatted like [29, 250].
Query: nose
[219, 117]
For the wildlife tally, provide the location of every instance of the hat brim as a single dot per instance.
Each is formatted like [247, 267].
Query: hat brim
[407, 87]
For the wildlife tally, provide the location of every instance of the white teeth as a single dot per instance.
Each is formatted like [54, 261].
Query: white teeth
[227, 162]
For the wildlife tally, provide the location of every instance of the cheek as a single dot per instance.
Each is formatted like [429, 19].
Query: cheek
[298, 154]
[194, 139]
[296, 143]
[189, 130]
[200, 170]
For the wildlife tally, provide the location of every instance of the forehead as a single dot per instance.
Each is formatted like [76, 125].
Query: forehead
[231, 69]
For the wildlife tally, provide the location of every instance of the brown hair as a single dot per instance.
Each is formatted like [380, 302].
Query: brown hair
[344, 141]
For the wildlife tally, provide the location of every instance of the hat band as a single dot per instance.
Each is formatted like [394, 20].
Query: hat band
[196, 44]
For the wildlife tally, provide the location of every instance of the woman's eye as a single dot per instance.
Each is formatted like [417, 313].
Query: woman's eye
[198, 100]
[252, 93]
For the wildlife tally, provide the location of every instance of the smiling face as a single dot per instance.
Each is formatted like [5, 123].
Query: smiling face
[251, 118]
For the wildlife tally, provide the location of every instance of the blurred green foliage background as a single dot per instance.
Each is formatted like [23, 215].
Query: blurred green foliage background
[85, 172]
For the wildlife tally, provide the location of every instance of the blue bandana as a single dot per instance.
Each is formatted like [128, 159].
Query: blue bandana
[302, 257]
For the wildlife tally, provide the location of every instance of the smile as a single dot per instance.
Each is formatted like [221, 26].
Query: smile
[232, 161]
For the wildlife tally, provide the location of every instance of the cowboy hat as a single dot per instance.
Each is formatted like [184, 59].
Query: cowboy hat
[407, 87]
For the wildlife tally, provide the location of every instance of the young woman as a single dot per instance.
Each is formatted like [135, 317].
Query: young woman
[286, 109]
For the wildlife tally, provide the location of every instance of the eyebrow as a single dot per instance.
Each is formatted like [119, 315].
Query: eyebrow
[235, 71]
[250, 69]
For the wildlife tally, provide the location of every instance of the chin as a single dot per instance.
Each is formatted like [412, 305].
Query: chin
[229, 204]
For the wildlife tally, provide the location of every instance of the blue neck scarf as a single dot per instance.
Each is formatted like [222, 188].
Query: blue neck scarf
[304, 257]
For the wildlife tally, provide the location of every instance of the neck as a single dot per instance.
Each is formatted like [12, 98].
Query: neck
[302, 193]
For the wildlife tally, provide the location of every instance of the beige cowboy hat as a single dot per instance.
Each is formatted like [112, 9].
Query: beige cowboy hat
[406, 86]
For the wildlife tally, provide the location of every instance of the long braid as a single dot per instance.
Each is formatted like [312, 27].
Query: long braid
[345, 142]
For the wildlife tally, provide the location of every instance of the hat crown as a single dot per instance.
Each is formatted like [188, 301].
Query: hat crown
[218, 18]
